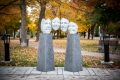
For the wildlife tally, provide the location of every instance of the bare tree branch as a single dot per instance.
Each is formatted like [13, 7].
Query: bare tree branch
[2, 5]
[8, 14]
[8, 4]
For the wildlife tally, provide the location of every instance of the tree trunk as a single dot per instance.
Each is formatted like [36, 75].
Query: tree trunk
[60, 34]
[60, 24]
[57, 34]
[92, 31]
[53, 35]
[14, 34]
[23, 23]
[103, 29]
[88, 34]
[41, 16]
[84, 34]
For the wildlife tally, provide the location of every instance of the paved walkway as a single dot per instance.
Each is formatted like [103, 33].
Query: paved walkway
[95, 54]
[30, 73]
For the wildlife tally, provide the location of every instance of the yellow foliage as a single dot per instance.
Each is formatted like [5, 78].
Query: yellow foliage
[32, 26]
[53, 3]
[82, 28]
[48, 14]
[4, 19]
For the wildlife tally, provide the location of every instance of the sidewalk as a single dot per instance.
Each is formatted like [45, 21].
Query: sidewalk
[95, 54]
[30, 73]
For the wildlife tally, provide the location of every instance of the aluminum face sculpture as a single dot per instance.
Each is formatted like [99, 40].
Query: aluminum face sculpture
[73, 28]
[64, 24]
[56, 23]
[46, 26]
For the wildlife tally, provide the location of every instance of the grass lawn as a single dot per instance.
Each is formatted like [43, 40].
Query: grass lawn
[27, 56]
[86, 45]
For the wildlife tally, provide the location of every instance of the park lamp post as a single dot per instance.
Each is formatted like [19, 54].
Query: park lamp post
[6, 48]
[106, 40]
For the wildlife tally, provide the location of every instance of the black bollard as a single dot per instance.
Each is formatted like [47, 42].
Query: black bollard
[106, 48]
[106, 53]
[6, 47]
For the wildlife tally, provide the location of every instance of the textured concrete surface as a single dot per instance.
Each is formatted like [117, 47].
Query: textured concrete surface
[30, 73]
[73, 58]
[45, 60]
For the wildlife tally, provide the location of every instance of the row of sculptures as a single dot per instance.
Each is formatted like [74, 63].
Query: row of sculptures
[56, 23]
[73, 58]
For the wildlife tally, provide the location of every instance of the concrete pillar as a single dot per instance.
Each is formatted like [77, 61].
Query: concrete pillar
[45, 60]
[73, 58]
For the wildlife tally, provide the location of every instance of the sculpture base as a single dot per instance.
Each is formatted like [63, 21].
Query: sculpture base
[103, 62]
[73, 58]
[45, 60]
[3, 61]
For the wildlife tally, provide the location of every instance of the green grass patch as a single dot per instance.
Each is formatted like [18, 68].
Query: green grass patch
[86, 45]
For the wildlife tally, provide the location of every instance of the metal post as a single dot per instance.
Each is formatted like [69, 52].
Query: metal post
[106, 48]
[6, 47]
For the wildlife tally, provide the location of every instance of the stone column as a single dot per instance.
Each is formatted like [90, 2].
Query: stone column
[45, 60]
[73, 58]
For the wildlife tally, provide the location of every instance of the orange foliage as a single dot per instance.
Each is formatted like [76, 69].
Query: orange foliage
[115, 4]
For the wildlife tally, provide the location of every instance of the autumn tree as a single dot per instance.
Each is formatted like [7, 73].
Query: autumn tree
[57, 9]
[13, 25]
[7, 10]
[43, 5]
[12, 7]
[104, 15]
[33, 27]
[82, 15]
[60, 9]
[114, 28]
[23, 23]
[105, 11]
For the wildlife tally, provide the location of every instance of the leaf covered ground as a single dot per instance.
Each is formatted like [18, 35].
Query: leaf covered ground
[27, 56]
